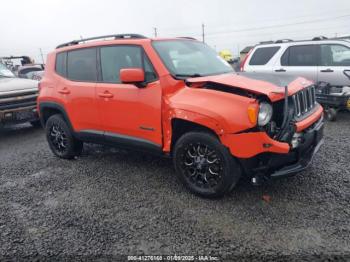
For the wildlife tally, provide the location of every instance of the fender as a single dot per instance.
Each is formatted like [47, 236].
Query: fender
[53, 105]
[230, 110]
[190, 116]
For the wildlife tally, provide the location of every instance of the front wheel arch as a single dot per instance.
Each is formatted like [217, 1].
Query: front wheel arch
[180, 127]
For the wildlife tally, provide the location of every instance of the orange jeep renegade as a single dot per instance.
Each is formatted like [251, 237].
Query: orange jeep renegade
[177, 97]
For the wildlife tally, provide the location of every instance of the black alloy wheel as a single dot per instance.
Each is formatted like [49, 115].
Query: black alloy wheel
[60, 138]
[204, 165]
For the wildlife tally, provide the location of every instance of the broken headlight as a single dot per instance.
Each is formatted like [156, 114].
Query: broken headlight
[265, 113]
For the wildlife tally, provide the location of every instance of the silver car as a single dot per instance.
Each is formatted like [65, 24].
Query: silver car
[326, 60]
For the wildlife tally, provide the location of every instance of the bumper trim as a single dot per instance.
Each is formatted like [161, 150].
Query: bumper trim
[298, 167]
[4, 120]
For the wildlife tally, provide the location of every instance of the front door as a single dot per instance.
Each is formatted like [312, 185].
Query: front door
[128, 113]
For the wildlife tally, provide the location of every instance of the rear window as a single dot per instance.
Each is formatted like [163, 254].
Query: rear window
[263, 55]
[61, 64]
[300, 55]
[82, 65]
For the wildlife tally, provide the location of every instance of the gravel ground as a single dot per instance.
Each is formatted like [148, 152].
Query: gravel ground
[111, 202]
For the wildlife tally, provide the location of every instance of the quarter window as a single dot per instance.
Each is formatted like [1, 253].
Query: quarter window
[263, 55]
[82, 65]
[115, 58]
[61, 68]
[300, 55]
[335, 55]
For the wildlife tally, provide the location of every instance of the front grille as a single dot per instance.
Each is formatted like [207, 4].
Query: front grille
[304, 101]
[14, 101]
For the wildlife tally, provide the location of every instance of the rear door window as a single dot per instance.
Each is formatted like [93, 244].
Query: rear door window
[263, 55]
[335, 55]
[61, 68]
[82, 65]
[300, 55]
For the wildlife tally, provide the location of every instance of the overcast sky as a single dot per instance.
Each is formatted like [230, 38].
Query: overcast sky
[27, 25]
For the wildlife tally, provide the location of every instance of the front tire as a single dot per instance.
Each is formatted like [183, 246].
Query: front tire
[204, 165]
[60, 138]
[331, 114]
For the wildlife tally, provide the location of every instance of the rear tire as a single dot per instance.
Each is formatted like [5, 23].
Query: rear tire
[60, 138]
[204, 165]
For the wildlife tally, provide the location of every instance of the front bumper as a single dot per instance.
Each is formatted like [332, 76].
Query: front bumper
[18, 115]
[272, 165]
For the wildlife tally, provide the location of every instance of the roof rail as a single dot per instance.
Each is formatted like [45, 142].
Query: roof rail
[283, 41]
[318, 38]
[186, 37]
[118, 36]
[266, 42]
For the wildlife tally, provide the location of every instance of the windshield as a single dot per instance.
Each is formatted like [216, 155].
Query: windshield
[185, 58]
[5, 72]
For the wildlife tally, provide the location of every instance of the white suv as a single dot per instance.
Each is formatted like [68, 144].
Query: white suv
[321, 59]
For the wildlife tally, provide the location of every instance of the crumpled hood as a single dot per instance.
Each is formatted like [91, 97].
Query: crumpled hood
[16, 84]
[258, 83]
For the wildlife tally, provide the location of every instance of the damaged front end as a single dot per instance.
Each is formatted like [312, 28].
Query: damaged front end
[286, 124]
[300, 126]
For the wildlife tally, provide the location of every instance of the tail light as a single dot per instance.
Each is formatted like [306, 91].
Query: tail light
[245, 60]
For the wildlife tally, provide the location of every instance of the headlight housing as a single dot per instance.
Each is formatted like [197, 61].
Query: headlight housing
[265, 113]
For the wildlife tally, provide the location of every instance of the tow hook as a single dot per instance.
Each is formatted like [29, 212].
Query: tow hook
[259, 179]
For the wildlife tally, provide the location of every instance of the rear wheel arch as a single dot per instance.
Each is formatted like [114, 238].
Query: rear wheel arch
[48, 109]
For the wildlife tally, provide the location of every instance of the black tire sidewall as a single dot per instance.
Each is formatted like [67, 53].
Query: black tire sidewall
[231, 170]
[331, 114]
[72, 144]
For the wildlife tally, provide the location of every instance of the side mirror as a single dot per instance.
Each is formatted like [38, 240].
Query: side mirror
[132, 75]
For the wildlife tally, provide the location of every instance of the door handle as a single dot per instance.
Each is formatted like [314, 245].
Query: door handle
[327, 70]
[106, 94]
[280, 70]
[64, 91]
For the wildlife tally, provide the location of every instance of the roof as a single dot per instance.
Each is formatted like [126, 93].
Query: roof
[118, 37]
[313, 40]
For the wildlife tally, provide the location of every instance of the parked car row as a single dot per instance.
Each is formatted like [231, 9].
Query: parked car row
[26, 69]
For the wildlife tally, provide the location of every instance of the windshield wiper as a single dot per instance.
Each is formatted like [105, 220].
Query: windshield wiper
[188, 75]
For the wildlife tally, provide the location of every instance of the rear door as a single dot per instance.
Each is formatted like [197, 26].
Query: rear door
[334, 64]
[77, 87]
[299, 60]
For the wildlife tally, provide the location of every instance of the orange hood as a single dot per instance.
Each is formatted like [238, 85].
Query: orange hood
[257, 83]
